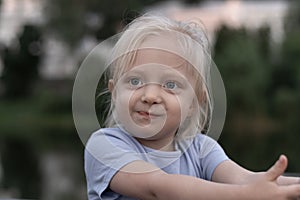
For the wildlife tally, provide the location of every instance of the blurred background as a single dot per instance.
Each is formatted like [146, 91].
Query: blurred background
[256, 46]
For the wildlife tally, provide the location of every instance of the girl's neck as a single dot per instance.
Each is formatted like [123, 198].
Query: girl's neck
[163, 145]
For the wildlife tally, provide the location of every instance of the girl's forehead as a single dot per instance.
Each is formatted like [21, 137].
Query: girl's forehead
[159, 56]
[153, 60]
[164, 49]
[161, 48]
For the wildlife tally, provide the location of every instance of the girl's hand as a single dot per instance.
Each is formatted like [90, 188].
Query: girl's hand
[265, 184]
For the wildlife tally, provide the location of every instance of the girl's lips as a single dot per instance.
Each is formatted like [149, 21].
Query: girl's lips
[143, 113]
[147, 114]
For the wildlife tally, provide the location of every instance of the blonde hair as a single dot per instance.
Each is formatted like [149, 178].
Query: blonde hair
[195, 50]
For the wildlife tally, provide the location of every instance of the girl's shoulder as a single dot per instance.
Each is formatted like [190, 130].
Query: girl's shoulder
[204, 138]
[113, 137]
[204, 144]
[113, 133]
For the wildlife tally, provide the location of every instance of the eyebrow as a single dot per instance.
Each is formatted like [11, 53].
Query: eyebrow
[166, 72]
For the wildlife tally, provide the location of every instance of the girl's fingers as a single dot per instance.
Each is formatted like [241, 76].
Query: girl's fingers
[292, 191]
[277, 169]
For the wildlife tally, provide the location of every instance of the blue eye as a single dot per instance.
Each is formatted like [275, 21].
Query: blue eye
[171, 85]
[135, 82]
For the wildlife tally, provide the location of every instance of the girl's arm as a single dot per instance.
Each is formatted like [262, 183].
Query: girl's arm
[144, 181]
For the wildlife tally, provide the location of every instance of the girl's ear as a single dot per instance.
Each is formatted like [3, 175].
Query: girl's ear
[111, 87]
[191, 108]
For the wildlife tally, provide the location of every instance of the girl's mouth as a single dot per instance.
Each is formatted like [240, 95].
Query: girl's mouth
[144, 113]
[147, 115]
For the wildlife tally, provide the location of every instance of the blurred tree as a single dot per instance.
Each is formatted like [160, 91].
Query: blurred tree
[257, 83]
[285, 88]
[193, 1]
[114, 19]
[20, 167]
[65, 19]
[243, 59]
[286, 74]
[21, 63]
[292, 19]
[70, 21]
[243, 64]
[263, 38]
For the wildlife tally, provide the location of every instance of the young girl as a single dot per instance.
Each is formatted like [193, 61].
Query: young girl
[161, 104]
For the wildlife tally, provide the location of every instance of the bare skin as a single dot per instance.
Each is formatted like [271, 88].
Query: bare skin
[142, 180]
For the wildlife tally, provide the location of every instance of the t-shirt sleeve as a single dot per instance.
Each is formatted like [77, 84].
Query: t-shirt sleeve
[211, 155]
[105, 155]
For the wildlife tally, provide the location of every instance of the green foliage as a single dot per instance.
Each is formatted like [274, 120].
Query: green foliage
[285, 86]
[292, 19]
[29, 128]
[193, 1]
[71, 20]
[114, 19]
[65, 20]
[45, 119]
[243, 65]
[21, 63]
[263, 95]
[21, 166]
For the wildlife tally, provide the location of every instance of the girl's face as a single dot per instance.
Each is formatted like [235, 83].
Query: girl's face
[155, 95]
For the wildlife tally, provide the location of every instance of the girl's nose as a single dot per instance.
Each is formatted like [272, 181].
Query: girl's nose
[152, 94]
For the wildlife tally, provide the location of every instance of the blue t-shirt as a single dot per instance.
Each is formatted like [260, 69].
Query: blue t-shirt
[109, 149]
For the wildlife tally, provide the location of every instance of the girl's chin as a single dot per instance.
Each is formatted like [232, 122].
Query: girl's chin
[143, 131]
